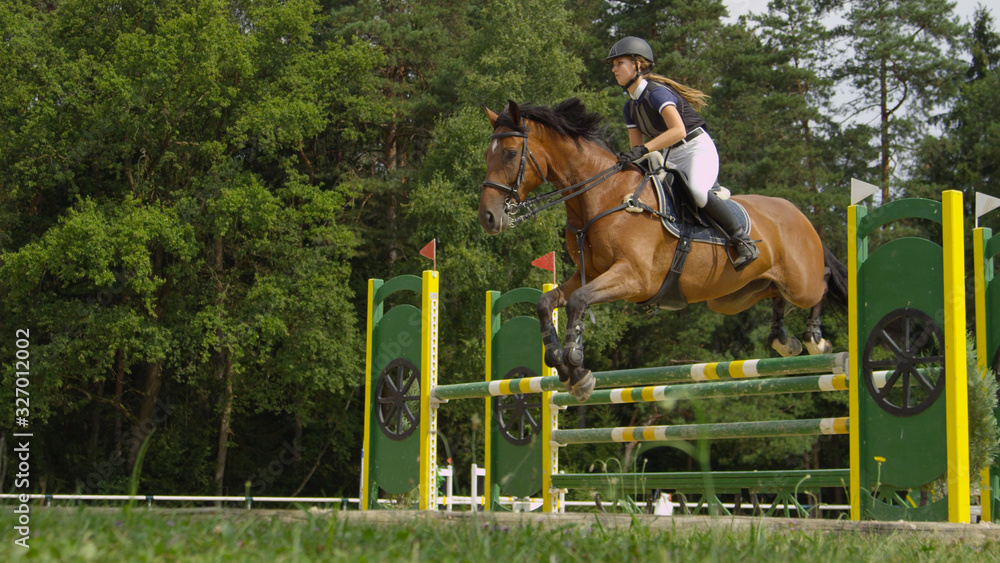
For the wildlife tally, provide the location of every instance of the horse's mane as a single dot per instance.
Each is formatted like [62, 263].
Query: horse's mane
[569, 118]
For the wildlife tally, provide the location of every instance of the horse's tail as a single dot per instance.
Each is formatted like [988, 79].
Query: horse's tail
[836, 286]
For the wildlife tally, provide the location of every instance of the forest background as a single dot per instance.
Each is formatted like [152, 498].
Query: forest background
[194, 193]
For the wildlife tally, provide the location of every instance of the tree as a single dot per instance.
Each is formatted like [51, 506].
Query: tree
[964, 156]
[174, 236]
[985, 46]
[506, 59]
[780, 119]
[421, 42]
[900, 63]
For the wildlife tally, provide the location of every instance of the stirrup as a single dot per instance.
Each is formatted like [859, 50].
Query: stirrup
[744, 260]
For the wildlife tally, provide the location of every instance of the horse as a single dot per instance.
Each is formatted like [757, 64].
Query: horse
[625, 255]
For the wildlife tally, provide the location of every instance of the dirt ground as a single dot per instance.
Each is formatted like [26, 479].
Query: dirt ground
[980, 533]
[966, 533]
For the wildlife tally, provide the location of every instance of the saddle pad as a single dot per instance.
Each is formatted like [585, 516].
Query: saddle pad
[697, 231]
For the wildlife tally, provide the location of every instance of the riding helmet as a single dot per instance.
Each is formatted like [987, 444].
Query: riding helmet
[631, 46]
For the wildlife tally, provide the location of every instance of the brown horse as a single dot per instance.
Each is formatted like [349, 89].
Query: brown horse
[627, 255]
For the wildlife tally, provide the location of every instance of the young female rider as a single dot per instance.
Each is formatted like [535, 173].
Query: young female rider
[666, 113]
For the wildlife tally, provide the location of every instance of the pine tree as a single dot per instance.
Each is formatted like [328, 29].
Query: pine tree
[963, 157]
[899, 59]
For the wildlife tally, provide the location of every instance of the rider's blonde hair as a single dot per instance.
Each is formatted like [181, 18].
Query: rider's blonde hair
[696, 98]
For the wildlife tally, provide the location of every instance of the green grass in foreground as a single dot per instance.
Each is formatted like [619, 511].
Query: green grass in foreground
[114, 535]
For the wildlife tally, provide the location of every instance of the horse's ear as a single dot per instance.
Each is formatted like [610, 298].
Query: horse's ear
[492, 115]
[513, 111]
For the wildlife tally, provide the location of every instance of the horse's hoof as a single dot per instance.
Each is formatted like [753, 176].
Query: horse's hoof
[822, 347]
[582, 389]
[790, 347]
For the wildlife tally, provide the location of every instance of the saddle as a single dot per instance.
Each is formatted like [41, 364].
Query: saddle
[684, 219]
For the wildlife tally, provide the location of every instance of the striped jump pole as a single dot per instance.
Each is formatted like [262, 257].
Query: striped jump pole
[723, 389]
[713, 371]
[716, 431]
[712, 390]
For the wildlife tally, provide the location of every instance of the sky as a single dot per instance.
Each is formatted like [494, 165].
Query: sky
[963, 8]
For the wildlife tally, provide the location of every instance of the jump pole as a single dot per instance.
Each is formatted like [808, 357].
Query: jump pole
[372, 311]
[550, 423]
[700, 372]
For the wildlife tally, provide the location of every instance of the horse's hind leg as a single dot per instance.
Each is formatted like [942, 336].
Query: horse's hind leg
[812, 336]
[780, 340]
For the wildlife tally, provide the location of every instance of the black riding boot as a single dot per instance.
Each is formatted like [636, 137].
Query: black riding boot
[730, 226]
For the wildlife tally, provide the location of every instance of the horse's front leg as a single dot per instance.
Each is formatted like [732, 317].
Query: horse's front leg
[613, 285]
[547, 303]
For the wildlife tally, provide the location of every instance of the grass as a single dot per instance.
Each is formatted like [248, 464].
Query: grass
[112, 534]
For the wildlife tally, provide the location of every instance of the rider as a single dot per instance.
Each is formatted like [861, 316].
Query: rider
[666, 113]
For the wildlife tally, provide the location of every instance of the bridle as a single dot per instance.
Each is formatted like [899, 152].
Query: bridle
[513, 204]
[517, 209]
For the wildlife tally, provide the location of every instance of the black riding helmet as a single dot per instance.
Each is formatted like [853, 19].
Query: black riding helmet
[631, 46]
[634, 47]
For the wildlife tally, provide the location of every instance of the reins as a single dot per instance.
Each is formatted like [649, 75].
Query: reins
[581, 188]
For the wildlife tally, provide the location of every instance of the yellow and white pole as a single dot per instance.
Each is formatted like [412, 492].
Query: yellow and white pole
[491, 328]
[550, 422]
[428, 380]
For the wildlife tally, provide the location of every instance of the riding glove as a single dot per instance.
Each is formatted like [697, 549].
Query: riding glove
[632, 155]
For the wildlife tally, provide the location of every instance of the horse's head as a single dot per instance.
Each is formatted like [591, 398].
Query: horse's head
[509, 176]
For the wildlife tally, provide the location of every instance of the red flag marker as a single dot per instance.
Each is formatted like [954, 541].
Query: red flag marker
[547, 262]
[430, 251]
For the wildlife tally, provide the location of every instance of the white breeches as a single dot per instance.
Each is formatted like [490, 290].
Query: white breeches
[699, 160]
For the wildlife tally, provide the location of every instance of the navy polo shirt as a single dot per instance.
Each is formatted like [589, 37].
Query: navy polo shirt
[644, 111]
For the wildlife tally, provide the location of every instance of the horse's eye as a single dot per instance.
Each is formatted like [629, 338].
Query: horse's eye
[509, 154]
